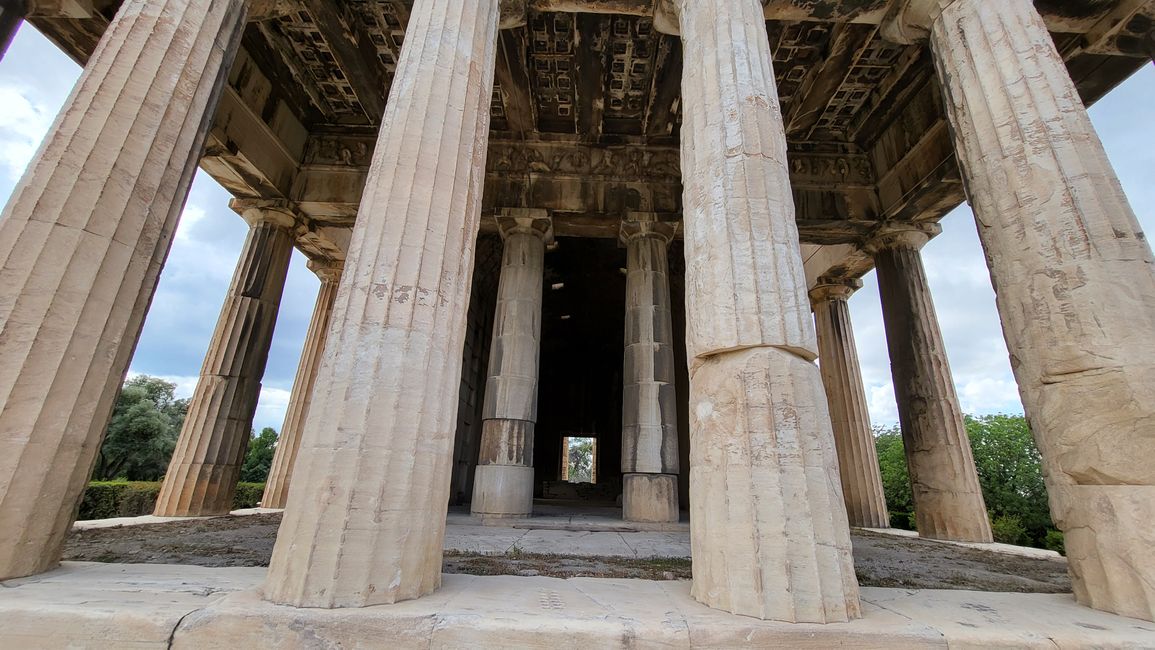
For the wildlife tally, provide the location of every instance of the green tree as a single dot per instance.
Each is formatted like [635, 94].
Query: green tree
[1010, 472]
[259, 458]
[142, 432]
[581, 460]
[895, 478]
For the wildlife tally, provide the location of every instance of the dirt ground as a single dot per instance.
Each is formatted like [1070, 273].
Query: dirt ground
[880, 560]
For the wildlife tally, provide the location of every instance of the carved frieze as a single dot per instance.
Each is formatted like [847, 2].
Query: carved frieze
[627, 163]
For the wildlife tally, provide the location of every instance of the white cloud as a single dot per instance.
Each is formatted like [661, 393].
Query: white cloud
[25, 120]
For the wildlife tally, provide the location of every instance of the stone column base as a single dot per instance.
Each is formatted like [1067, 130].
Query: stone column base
[503, 491]
[650, 498]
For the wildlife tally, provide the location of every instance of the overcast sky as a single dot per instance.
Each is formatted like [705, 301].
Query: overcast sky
[35, 80]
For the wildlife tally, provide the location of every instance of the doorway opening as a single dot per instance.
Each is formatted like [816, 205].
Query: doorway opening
[579, 460]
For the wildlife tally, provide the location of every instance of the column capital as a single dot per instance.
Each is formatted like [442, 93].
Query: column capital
[513, 14]
[901, 235]
[525, 220]
[327, 270]
[278, 212]
[830, 289]
[636, 225]
[909, 21]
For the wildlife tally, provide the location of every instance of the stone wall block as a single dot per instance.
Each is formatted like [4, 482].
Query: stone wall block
[1075, 284]
[206, 464]
[768, 527]
[82, 243]
[365, 521]
[289, 442]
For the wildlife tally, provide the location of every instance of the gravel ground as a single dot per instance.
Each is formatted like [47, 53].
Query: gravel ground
[880, 560]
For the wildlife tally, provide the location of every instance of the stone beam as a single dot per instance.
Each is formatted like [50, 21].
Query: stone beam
[512, 82]
[354, 52]
[845, 47]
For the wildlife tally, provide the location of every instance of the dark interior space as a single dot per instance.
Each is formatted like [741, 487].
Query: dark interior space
[580, 387]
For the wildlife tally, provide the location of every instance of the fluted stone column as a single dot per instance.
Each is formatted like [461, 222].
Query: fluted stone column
[948, 502]
[11, 17]
[503, 481]
[206, 464]
[768, 526]
[365, 520]
[289, 442]
[82, 242]
[649, 399]
[1074, 279]
[842, 378]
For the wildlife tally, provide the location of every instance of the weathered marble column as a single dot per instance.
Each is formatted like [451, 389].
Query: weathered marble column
[82, 242]
[365, 520]
[768, 526]
[206, 464]
[289, 442]
[1074, 279]
[503, 482]
[948, 502]
[649, 402]
[842, 378]
[11, 17]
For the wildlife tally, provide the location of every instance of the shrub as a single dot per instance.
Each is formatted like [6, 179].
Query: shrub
[248, 495]
[108, 499]
[1008, 529]
[1054, 541]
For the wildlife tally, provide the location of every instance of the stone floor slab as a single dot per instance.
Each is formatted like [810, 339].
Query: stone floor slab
[140, 606]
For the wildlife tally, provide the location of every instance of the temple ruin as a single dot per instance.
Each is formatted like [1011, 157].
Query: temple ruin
[633, 220]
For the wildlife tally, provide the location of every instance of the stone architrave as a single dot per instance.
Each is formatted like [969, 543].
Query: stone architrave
[11, 17]
[649, 402]
[1074, 281]
[365, 520]
[842, 378]
[768, 525]
[289, 442]
[503, 482]
[206, 464]
[82, 243]
[948, 502]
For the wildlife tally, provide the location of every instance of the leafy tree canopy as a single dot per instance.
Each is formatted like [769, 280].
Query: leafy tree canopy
[259, 458]
[142, 432]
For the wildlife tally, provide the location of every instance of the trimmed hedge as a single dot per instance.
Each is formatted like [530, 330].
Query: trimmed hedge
[107, 499]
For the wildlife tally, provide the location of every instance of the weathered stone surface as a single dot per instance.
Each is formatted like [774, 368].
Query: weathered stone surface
[769, 531]
[289, 440]
[1075, 283]
[510, 407]
[650, 498]
[842, 378]
[948, 502]
[745, 286]
[649, 398]
[768, 527]
[365, 519]
[206, 464]
[82, 242]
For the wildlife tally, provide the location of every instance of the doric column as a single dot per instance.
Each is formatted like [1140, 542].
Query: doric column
[948, 502]
[11, 17]
[768, 527]
[206, 464]
[649, 400]
[1074, 278]
[289, 442]
[365, 520]
[503, 481]
[842, 378]
[82, 242]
